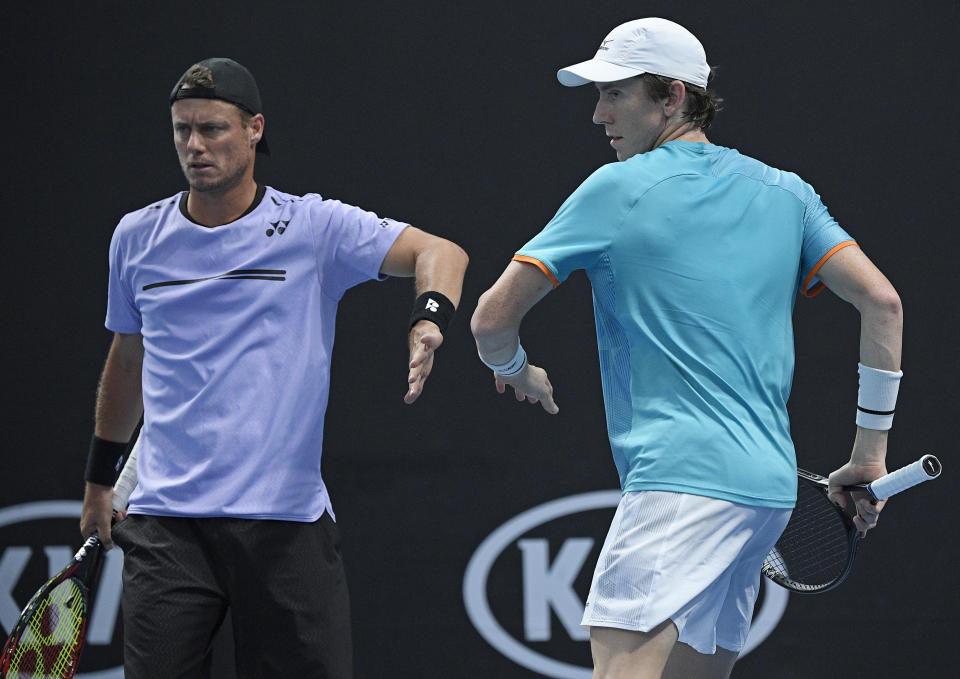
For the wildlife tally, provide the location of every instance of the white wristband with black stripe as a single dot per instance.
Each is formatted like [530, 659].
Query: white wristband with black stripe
[512, 367]
[877, 398]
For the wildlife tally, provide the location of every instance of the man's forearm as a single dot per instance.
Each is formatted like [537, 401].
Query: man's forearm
[881, 333]
[499, 348]
[881, 341]
[501, 310]
[120, 396]
[494, 329]
[441, 267]
[119, 407]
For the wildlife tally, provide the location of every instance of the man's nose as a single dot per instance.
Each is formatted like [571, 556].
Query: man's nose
[601, 114]
[195, 142]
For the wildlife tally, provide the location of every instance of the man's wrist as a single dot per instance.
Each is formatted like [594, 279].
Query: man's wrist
[513, 367]
[877, 397]
[104, 460]
[94, 487]
[433, 306]
[869, 447]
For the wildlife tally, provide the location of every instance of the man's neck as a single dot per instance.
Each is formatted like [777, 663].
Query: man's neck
[685, 132]
[214, 208]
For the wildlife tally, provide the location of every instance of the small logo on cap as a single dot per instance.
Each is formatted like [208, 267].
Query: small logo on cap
[603, 45]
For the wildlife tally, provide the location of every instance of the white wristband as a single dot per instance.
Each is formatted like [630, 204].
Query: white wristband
[877, 398]
[512, 367]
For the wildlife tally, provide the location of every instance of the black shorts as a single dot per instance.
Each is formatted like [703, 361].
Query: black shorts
[282, 581]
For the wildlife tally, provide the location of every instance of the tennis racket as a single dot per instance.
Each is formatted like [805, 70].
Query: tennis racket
[815, 552]
[48, 638]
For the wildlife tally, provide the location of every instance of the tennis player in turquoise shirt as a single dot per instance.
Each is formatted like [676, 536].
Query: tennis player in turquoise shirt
[685, 247]
[695, 254]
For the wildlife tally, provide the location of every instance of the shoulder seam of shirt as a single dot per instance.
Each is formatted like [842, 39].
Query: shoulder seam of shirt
[314, 238]
[660, 181]
[769, 184]
[650, 188]
[636, 200]
[158, 204]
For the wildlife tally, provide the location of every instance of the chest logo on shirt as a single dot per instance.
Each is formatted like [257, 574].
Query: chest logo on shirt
[278, 226]
[236, 274]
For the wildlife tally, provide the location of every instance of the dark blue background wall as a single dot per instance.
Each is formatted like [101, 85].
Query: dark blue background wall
[449, 116]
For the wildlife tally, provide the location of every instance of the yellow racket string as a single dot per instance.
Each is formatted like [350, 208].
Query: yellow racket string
[47, 647]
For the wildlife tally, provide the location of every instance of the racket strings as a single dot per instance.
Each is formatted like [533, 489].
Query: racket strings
[48, 645]
[814, 549]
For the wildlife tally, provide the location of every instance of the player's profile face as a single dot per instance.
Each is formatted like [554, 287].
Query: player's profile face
[213, 145]
[632, 120]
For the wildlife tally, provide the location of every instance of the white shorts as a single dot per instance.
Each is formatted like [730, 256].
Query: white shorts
[691, 559]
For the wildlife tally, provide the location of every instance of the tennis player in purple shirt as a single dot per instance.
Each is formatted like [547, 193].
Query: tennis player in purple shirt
[223, 301]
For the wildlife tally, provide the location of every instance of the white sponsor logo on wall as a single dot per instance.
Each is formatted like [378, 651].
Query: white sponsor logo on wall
[548, 586]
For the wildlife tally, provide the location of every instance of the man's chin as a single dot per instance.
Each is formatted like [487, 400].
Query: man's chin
[218, 184]
[203, 187]
[205, 184]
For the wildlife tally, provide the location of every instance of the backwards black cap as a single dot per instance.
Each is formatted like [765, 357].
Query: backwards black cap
[231, 82]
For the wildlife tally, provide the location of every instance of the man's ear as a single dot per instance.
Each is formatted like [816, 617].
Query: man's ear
[676, 98]
[256, 126]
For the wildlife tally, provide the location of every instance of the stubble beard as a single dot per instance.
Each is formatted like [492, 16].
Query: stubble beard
[215, 186]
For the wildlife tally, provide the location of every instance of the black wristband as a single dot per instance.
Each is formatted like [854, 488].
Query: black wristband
[103, 461]
[433, 306]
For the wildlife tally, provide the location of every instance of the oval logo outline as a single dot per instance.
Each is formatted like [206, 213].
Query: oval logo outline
[486, 554]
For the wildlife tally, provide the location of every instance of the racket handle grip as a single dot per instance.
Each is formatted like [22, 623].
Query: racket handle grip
[924, 469]
[127, 480]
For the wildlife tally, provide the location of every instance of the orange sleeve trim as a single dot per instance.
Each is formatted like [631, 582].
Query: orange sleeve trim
[540, 265]
[818, 288]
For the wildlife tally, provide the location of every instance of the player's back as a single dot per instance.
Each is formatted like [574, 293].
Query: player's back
[709, 255]
[695, 254]
[694, 299]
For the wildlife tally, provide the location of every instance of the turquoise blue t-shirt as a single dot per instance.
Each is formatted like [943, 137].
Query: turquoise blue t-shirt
[695, 254]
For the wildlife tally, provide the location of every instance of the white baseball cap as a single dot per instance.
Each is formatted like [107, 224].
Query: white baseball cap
[648, 45]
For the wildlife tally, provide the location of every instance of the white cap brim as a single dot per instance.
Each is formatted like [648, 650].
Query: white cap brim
[595, 71]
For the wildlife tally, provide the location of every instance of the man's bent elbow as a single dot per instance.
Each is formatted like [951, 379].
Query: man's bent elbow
[886, 302]
[479, 325]
[450, 251]
[484, 321]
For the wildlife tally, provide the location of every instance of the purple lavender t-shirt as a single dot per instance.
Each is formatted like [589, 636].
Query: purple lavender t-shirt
[238, 325]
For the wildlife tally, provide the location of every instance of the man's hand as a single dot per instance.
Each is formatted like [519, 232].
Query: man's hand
[851, 474]
[532, 385]
[425, 338]
[97, 513]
